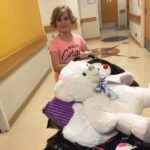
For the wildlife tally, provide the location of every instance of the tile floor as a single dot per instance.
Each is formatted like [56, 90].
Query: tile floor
[29, 131]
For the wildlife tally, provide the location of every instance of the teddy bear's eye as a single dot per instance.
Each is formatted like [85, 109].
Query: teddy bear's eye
[87, 64]
[84, 74]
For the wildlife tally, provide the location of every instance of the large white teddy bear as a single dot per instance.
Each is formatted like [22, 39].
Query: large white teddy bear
[97, 115]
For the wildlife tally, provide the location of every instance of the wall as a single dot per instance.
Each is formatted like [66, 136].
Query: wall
[18, 84]
[122, 17]
[136, 30]
[20, 24]
[90, 11]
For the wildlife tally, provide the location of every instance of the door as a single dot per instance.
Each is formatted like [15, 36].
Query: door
[147, 24]
[109, 11]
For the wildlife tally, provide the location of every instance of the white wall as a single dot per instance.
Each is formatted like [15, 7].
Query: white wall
[90, 29]
[122, 17]
[136, 30]
[17, 86]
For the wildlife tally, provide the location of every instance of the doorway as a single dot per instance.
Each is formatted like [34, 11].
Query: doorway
[109, 14]
[113, 20]
[147, 24]
[114, 14]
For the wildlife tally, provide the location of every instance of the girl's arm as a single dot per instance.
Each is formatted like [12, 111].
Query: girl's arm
[85, 48]
[55, 62]
[85, 51]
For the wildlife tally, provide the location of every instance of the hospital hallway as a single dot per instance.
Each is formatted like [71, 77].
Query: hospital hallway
[29, 131]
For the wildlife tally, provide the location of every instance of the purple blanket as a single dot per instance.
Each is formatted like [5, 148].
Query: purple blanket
[59, 111]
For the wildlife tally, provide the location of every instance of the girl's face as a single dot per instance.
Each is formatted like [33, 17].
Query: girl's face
[63, 23]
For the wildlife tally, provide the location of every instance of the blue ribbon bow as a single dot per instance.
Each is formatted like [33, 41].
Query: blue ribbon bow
[103, 87]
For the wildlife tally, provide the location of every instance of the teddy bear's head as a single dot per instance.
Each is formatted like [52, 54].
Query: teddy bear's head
[77, 81]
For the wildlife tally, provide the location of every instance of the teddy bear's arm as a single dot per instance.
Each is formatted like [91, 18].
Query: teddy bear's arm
[79, 129]
[123, 78]
[103, 122]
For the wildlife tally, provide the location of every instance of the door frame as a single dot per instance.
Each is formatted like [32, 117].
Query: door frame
[4, 124]
[118, 13]
[144, 25]
[100, 14]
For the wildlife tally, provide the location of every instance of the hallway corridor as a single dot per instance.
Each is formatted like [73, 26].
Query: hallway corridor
[29, 132]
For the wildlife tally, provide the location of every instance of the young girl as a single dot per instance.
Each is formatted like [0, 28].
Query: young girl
[66, 45]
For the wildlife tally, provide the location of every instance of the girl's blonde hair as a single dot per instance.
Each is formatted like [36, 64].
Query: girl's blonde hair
[58, 12]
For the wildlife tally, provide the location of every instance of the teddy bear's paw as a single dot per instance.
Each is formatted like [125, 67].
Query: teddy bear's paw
[142, 130]
[106, 124]
[147, 134]
[126, 78]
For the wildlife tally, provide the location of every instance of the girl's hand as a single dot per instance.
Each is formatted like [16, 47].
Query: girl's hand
[85, 55]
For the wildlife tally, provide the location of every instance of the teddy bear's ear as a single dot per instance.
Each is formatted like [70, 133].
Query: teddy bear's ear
[72, 68]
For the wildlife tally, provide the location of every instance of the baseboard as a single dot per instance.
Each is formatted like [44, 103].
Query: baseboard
[27, 100]
[147, 44]
[93, 38]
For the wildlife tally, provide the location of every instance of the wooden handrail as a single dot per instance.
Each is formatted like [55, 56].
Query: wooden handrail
[135, 18]
[13, 60]
[85, 20]
[50, 29]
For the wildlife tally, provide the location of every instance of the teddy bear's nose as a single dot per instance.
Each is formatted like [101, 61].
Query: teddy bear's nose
[105, 66]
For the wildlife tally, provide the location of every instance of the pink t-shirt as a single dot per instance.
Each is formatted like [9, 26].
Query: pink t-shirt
[67, 51]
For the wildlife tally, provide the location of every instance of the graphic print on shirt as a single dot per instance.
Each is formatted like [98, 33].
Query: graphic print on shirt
[71, 51]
